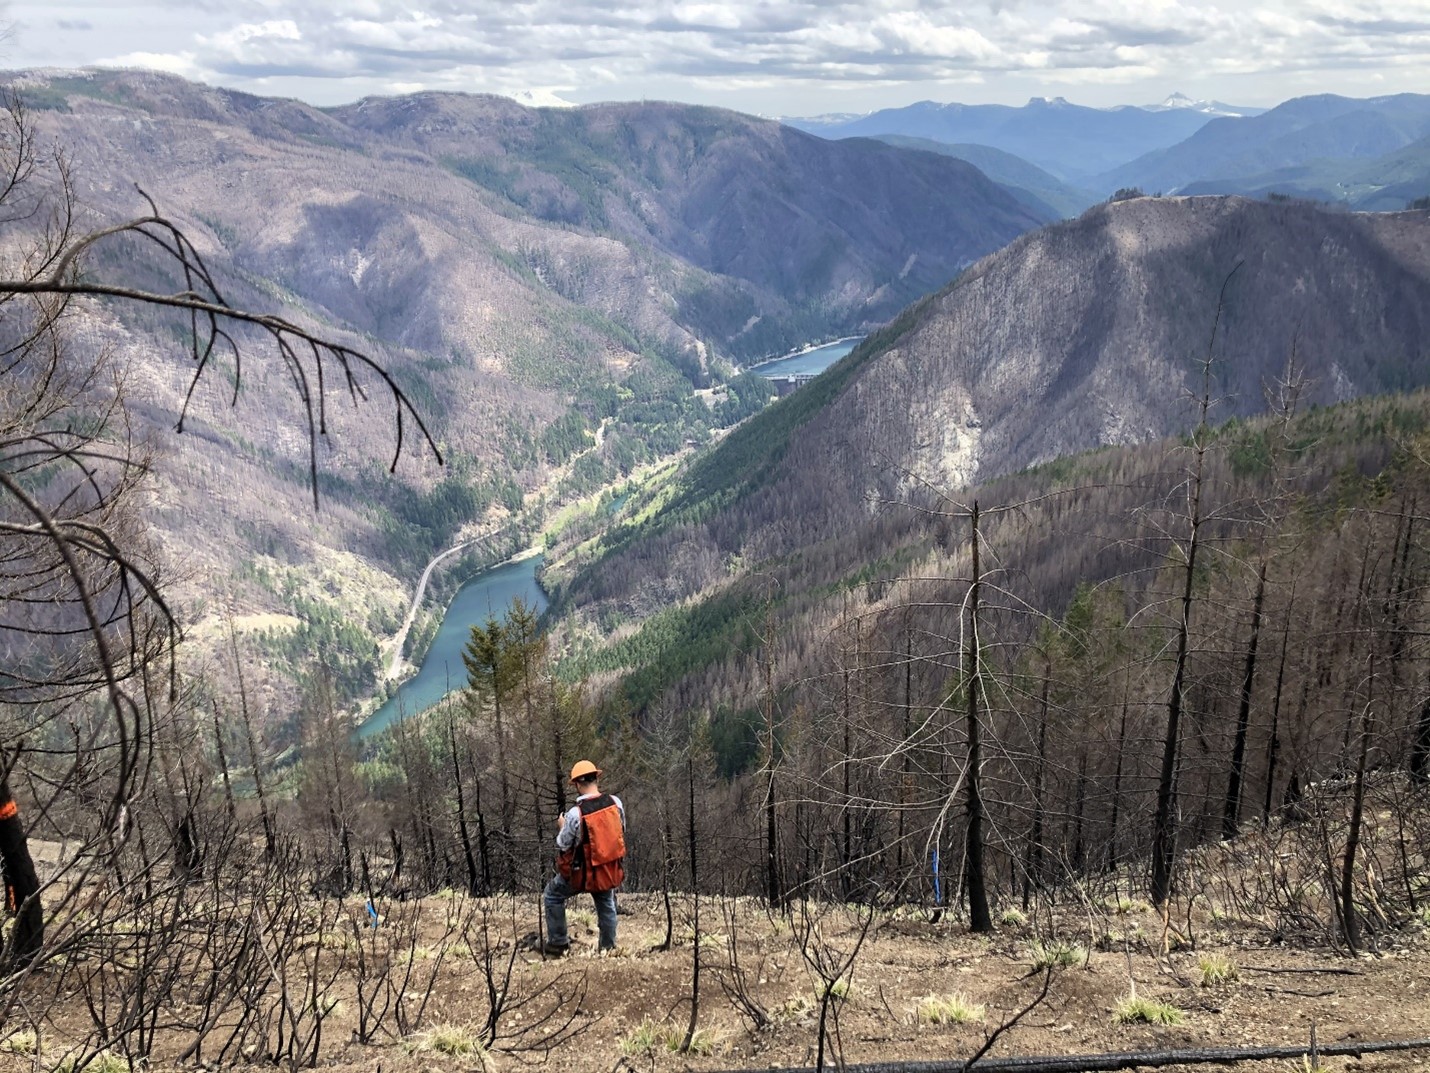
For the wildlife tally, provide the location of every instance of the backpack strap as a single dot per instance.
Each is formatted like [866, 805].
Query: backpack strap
[594, 804]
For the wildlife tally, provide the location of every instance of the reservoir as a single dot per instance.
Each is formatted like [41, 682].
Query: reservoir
[487, 595]
[809, 362]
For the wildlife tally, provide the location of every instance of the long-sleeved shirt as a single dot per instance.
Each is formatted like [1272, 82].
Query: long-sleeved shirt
[570, 831]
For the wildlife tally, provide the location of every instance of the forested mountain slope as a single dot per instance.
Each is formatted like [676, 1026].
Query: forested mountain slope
[1088, 333]
[1260, 588]
[1305, 131]
[1380, 184]
[845, 229]
[1031, 183]
[525, 275]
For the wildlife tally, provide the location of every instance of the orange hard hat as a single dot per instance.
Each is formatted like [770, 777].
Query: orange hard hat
[583, 768]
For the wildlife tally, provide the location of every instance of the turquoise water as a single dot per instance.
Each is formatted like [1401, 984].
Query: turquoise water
[815, 360]
[488, 594]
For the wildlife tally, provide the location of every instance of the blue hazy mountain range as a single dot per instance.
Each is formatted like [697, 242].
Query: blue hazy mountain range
[1362, 151]
[1071, 141]
[1040, 190]
[1367, 153]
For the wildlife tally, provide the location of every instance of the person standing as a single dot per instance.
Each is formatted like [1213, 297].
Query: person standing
[591, 849]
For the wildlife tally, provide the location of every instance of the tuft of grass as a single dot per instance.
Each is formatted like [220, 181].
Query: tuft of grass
[455, 1041]
[585, 917]
[643, 1039]
[839, 989]
[1217, 969]
[702, 1044]
[23, 1041]
[338, 940]
[953, 1009]
[1056, 955]
[794, 1009]
[1123, 905]
[1012, 918]
[709, 940]
[103, 1062]
[649, 1036]
[1135, 1009]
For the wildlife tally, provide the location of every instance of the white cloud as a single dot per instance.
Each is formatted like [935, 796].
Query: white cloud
[736, 52]
[255, 32]
[722, 16]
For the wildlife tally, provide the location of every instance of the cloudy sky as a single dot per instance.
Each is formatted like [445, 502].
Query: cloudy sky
[774, 57]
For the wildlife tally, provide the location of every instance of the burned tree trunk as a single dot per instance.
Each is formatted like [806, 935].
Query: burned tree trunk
[1231, 811]
[980, 918]
[462, 829]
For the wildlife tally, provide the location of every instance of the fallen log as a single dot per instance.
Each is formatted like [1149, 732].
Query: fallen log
[1104, 1063]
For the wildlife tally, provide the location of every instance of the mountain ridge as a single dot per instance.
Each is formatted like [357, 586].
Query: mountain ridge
[1069, 140]
[1296, 132]
[1088, 333]
[516, 334]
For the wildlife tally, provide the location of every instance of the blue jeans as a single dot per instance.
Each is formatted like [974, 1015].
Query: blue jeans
[554, 897]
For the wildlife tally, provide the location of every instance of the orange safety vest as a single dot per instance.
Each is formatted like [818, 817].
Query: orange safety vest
[595, 862]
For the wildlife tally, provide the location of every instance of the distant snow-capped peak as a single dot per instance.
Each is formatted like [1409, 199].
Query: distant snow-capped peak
[1181, 102]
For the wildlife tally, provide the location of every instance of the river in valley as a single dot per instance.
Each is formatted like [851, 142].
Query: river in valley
[491, 592]
[488, 594]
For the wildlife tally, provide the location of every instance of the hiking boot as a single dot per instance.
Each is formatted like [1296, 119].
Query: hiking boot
[553, 951]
